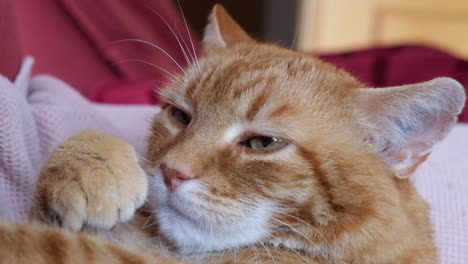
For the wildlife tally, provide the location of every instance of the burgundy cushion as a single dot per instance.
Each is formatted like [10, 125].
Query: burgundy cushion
[125, 92]
[380, 67]
[73, 39]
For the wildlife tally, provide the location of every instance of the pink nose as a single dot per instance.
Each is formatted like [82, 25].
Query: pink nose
[173, 178]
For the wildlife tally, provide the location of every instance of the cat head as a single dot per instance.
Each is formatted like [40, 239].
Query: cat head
[256, 142]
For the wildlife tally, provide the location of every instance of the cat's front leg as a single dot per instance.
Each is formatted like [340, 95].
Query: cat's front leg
[91, 180]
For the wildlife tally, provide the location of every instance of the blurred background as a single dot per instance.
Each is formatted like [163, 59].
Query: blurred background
[120, 51]
[268, 20]
[343, 25]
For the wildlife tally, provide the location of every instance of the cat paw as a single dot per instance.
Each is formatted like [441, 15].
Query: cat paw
[91, 180]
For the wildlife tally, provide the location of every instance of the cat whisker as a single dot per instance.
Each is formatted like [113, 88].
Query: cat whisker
[187, 47]
[190, 36]
[152, 223]
[300, 234]
[292, 249]
[305, 223]
[269, 253]
[154, 46]
[146, 222]
[177, 38]
[257, 255]
[141, 158]
[151, 220]
[295, 37]
[149, 63]
[308, 225]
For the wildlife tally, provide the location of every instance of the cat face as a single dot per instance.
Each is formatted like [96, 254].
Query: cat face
[240, 130]
[257, 142]
[235, 131]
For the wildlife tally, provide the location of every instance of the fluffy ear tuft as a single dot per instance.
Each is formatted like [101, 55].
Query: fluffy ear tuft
[405, 122]
[222, 29]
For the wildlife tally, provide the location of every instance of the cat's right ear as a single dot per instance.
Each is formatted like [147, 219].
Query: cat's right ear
[405, 122]
[222, 30]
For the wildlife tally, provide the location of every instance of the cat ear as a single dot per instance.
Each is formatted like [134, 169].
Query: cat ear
[222, 29]
[406, 121]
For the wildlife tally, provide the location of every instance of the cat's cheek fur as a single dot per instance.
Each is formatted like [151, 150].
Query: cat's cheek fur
[195, 225]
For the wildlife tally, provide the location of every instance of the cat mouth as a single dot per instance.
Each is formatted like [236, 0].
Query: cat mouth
[196, 216]
[195, 225]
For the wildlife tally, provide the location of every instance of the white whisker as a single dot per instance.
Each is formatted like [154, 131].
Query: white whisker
[149, 221]
[299, 233]
[256, 253]
[140, 157]
[269, 253]
[146, 223]
[177, 38]
[186, 46]
[154, 46]
[305, 223]
[149, 63]
[308, 225]
[295, 37]
[292, 249]
[189, 35]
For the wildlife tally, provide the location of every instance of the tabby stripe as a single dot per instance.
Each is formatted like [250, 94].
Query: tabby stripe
[280, 111]
[259, 101]
[54, 247]
[190, 89]
[246, 87]
[89, 252]
[320, 176]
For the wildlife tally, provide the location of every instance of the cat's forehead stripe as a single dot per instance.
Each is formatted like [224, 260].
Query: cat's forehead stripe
[244, 88]
[190, 88]
[256, 105]
[281, 110]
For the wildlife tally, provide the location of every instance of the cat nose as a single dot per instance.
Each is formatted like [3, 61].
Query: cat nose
[172, 177]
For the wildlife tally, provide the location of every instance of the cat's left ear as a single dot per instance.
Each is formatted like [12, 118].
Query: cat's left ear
[222, 29]
[405, 122]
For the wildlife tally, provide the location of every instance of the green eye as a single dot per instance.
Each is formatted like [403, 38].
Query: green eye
[180, 116]
[264, 144]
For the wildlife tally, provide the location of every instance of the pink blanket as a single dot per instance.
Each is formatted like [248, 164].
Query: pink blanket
[36, 114]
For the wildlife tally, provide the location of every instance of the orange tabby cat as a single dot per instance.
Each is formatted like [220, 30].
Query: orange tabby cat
[260, 154]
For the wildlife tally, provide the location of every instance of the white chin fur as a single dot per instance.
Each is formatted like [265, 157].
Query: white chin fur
[183, 219]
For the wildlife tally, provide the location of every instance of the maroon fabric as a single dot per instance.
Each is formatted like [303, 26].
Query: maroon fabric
[72, 39]
[10, 48]
[380, 67]
[58, 45]
[107, 21]
[126, 92]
